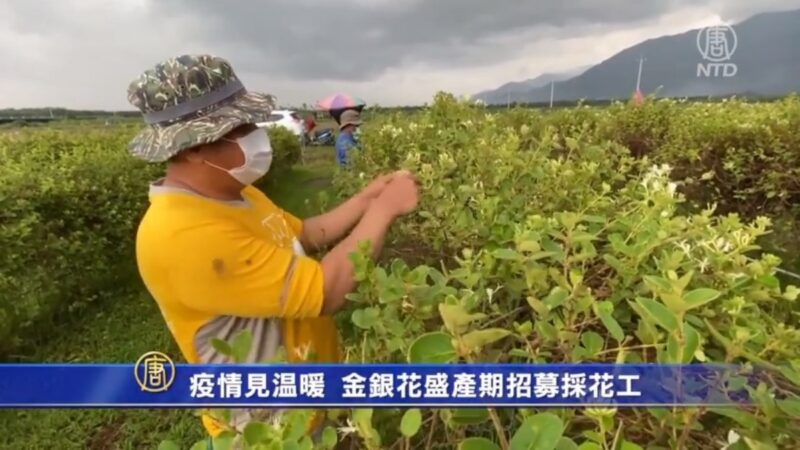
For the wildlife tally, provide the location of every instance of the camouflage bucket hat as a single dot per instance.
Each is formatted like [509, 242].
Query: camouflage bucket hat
[191, 100]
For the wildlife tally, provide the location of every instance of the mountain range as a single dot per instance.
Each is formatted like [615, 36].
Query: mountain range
[515, 89]
[763, 60]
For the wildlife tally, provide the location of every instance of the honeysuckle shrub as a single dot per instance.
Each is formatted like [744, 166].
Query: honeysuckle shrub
[70, 200]
[619, 234]
[556, 242]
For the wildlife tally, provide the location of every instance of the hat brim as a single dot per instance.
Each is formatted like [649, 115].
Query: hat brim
[158, 143]
[352, 122]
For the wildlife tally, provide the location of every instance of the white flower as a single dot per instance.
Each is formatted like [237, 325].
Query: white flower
[742, 239]
[671, 187]
[656, 180]
[349, 429]
[733, 437]
[685, 246]
[723, 244]
[391, 129]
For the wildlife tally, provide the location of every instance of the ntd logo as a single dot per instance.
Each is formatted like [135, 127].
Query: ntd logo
[716, 45]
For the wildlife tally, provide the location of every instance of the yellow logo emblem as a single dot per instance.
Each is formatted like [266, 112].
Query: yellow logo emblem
[154, 372]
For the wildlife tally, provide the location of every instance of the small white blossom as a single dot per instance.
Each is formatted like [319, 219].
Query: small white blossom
[349, 429]
[685, 246]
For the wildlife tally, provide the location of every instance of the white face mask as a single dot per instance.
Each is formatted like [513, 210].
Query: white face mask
[257, 151]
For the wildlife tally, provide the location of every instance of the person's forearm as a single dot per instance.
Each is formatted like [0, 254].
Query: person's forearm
[336, 265]
[331, 226]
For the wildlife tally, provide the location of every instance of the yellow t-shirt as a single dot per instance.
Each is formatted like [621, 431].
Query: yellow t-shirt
[216, 268]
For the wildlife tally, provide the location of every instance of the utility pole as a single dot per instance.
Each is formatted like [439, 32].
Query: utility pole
[639, 76]
[552, 89]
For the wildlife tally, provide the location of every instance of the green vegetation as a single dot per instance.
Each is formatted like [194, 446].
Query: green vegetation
[121, 324]
[70, 202]
[618, 234]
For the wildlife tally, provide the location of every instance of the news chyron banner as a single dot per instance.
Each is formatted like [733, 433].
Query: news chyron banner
[156, 382]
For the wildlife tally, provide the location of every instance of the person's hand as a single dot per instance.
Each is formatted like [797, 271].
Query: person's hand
[376, 186]
[399, 197]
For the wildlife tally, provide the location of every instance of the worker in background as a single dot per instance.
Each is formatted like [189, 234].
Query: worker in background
[350, 121]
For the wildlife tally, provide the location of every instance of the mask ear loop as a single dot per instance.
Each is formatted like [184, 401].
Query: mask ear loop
[227, 171]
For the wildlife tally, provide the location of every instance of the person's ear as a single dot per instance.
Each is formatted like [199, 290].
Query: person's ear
[194, 156]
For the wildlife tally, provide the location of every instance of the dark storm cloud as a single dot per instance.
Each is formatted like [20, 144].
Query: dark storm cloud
[396, 51]
[360, 40]
[348, 40]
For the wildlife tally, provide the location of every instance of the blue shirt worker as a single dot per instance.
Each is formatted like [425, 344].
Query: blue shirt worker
[349, 123]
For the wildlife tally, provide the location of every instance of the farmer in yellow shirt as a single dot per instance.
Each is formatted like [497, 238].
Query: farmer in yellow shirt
[216, 254]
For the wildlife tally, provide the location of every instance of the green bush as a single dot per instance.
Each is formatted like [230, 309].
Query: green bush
[285, 147]
[70, 201]
[69, 205]
[567, 237]
[556, 243]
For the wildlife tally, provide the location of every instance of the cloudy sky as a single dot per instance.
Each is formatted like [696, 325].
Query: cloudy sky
[83, 53]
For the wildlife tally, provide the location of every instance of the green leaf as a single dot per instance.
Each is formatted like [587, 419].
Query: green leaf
[222, 347]
[615, 264]
[477, 443]
[456, 318]
[770, 281]
[477, 339]
[539, 432]
[200, 445]
[790, 406]
[168, 445]
[365, 318]
[700, 297]
[743, 418]
[657, 284]
[659, 313]
[432, 348]
[628, 445]
[691, 342]
[362, 415]
[411, 422]
[506, 253]
[290, 445]
[759, 444]
[528, 246]
[590, 446]
[673, 355]
[256, 432]
[306, 443]
[223, 442]
[468, 416]
[566, 443]
[556, 298]
[603, 311]
[298, 426]
[792, 375]
[546, 329]
[329, 438]
[791, 293]
[241, 345]
[592, 342]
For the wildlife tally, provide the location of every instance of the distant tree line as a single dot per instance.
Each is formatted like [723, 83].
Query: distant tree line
[63, 113]
[36, 114]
